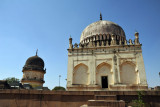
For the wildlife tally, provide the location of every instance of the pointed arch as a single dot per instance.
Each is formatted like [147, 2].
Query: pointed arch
[128, 74]
[103, 69]
[128, 62]
[103, 64]
[80, 74]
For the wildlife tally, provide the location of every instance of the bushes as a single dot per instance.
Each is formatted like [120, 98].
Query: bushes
[58, 88]
[139, 101]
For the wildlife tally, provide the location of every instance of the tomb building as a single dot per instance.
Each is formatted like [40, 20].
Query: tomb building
[105, 60]
[33, 72]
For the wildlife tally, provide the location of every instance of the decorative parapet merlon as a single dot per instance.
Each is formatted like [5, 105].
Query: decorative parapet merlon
[103, 40]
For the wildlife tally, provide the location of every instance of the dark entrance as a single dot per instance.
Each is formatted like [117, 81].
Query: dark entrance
[104, 81]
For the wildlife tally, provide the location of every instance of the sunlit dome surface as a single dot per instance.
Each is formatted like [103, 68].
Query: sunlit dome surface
[102, 27]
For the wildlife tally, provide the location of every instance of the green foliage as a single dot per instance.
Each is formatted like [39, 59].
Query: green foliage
[58, 88]
[11, 80]
[139, 102]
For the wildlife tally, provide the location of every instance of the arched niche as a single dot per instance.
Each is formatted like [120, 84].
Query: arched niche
[80, 75]
[103, 69]
[128, 74]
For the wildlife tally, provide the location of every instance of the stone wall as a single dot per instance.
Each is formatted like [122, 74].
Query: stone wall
[36, 98]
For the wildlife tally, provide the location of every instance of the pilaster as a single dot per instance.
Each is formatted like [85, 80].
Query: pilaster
[141, 69]
[70, 71]
[92, 69]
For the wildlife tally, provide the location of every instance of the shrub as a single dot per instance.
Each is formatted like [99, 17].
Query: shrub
[58, 88]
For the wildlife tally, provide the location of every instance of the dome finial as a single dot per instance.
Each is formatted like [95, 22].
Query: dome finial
[100, 16]
[36, 52]
[136, 31]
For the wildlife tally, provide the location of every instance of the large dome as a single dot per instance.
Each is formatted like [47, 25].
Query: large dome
[102, 27]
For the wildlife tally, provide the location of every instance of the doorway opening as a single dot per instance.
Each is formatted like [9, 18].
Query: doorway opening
[104, 81]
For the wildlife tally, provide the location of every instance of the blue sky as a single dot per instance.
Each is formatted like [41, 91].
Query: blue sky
[46, 25]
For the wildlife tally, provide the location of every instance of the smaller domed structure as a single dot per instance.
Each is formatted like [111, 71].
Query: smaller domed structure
[33, 71]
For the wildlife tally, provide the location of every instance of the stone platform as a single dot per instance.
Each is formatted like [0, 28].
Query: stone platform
[36, 98]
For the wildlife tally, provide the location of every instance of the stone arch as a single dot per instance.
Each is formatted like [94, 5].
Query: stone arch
[128, 74]
[102, 64]
[103, 69]
[80, 74]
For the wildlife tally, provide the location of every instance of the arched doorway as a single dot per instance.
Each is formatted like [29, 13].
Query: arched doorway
[103, 75]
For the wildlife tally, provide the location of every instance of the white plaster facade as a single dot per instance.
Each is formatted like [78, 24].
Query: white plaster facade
[96, 57]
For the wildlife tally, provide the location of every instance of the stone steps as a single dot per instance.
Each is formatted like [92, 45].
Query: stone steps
[106, 103]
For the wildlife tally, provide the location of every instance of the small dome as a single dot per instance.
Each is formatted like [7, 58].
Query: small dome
[34, 63]
[35, 60]
[101, 27]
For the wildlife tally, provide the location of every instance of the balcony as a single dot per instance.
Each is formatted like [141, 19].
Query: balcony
[33, 79]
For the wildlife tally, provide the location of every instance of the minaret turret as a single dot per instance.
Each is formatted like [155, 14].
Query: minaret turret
[136, 41]
[70, 43]
[100, 16]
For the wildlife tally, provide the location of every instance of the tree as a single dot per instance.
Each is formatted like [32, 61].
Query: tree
[58, 88]
[11, 80]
